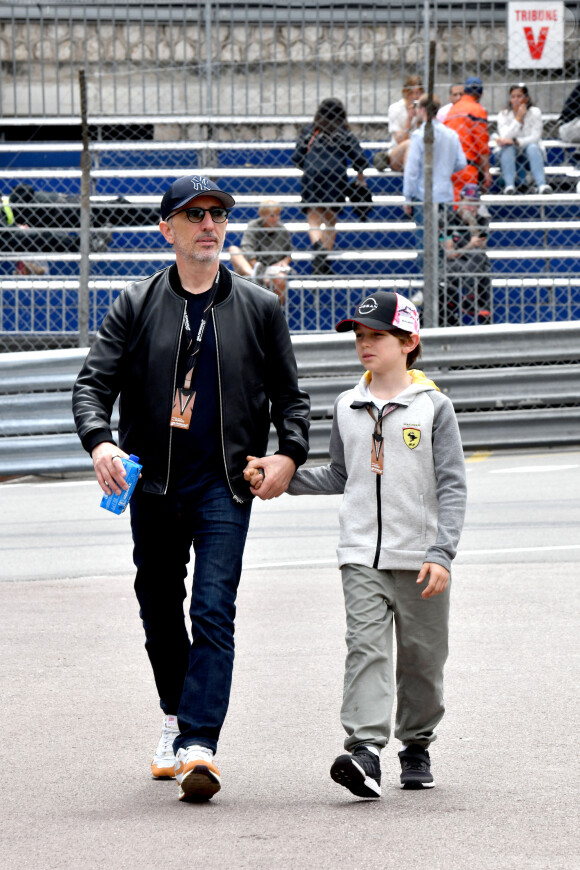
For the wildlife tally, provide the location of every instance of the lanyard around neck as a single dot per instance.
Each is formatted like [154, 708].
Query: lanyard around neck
[377, 443]
[194, 346]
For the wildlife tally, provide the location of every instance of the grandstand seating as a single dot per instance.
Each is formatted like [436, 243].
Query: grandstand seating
[533, 240]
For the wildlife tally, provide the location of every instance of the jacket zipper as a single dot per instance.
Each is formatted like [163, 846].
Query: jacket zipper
[173, 395]
[379, 522]
[235, 497]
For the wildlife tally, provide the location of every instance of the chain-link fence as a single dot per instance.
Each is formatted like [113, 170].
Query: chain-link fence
[236, 92]
[501, 259]
[224, 58]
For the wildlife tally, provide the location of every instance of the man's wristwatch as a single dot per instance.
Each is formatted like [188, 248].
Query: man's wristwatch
[515, 141]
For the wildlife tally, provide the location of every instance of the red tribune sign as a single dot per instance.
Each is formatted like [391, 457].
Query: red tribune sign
[535, 35]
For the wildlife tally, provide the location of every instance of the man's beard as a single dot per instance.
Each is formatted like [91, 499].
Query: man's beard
[201, 255]
[206, 256]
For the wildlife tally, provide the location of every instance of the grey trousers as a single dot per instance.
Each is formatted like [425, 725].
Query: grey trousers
[374, 600]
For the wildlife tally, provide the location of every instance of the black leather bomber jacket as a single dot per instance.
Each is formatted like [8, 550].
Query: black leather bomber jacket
[134, 356]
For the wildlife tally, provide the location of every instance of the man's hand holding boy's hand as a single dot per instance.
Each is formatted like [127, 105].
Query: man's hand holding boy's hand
[253, 474]
[273, 477]
[438, 579]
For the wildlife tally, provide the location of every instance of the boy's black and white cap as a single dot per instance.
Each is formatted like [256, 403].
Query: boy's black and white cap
[187, 188]
[383, 310]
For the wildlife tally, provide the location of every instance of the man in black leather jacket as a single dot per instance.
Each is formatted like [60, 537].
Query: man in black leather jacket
[202, 361]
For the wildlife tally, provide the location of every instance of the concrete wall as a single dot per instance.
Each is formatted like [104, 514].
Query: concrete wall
[147, 68]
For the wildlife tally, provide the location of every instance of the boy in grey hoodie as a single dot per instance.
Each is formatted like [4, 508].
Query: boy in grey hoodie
[396, 455]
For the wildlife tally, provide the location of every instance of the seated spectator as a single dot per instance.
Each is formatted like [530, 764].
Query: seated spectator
[41, 208]
[266, 250]
[38, 268]
[469, 120]
[519, 138]
[48, 208]
[467, 268]
[455, 94]
[403, 120]
[17, 236]
[20, 238]
[323, 151]
[569, 120]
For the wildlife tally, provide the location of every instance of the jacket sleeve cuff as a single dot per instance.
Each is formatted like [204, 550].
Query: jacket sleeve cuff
[435, 554]
[97, 436]
[297, 453]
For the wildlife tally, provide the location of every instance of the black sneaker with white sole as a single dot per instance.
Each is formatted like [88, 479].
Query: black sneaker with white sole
[360, 772]
[415, 767]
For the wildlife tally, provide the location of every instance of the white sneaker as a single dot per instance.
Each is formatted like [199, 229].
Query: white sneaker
[510, 189]
[198, 777]
[544, 188]
[163, 763]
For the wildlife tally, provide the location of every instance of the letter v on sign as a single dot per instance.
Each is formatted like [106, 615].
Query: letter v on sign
[536, 48]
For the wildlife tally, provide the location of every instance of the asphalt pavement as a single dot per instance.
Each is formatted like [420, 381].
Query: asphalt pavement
[80, 720]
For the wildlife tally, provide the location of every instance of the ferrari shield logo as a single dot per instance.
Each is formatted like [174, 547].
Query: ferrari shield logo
[411, 437]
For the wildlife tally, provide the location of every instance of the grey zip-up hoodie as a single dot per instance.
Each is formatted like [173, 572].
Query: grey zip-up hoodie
[414, 511]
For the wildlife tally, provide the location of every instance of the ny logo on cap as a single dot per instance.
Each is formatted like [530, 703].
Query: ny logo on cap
[200, 183]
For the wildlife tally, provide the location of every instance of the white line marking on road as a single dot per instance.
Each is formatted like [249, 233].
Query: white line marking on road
[330, 562]
[44, 483]
[260, 566]
[518, 550]
[530, 469]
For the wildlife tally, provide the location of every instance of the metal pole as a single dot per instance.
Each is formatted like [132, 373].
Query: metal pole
[431, 228]
[208, 59]
[426, 39]
[85, 228]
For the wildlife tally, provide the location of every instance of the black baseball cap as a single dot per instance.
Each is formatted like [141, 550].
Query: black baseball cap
[187, 188]
[384, 311]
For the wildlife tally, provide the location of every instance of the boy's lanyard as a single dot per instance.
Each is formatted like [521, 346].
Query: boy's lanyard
[377, 453]
[185, 396]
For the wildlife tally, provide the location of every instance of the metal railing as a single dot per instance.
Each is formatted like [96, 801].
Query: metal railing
[224, 87]
[511, 387]
[527, 270]
[213, 58]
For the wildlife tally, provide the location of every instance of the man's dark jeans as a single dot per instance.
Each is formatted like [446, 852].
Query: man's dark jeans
[193, 679]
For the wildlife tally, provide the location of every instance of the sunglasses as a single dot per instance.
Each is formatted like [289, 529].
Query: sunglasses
[195, 214]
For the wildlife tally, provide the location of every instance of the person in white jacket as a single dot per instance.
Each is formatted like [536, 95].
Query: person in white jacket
[396, 454]
[455, 94]
[519, 138]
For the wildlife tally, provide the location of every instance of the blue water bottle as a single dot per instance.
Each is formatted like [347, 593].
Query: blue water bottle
[117, 503]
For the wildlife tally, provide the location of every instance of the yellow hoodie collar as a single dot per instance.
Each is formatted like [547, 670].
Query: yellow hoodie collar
[418, 377]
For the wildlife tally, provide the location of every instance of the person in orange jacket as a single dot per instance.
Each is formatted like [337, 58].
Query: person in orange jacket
[469, 119]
